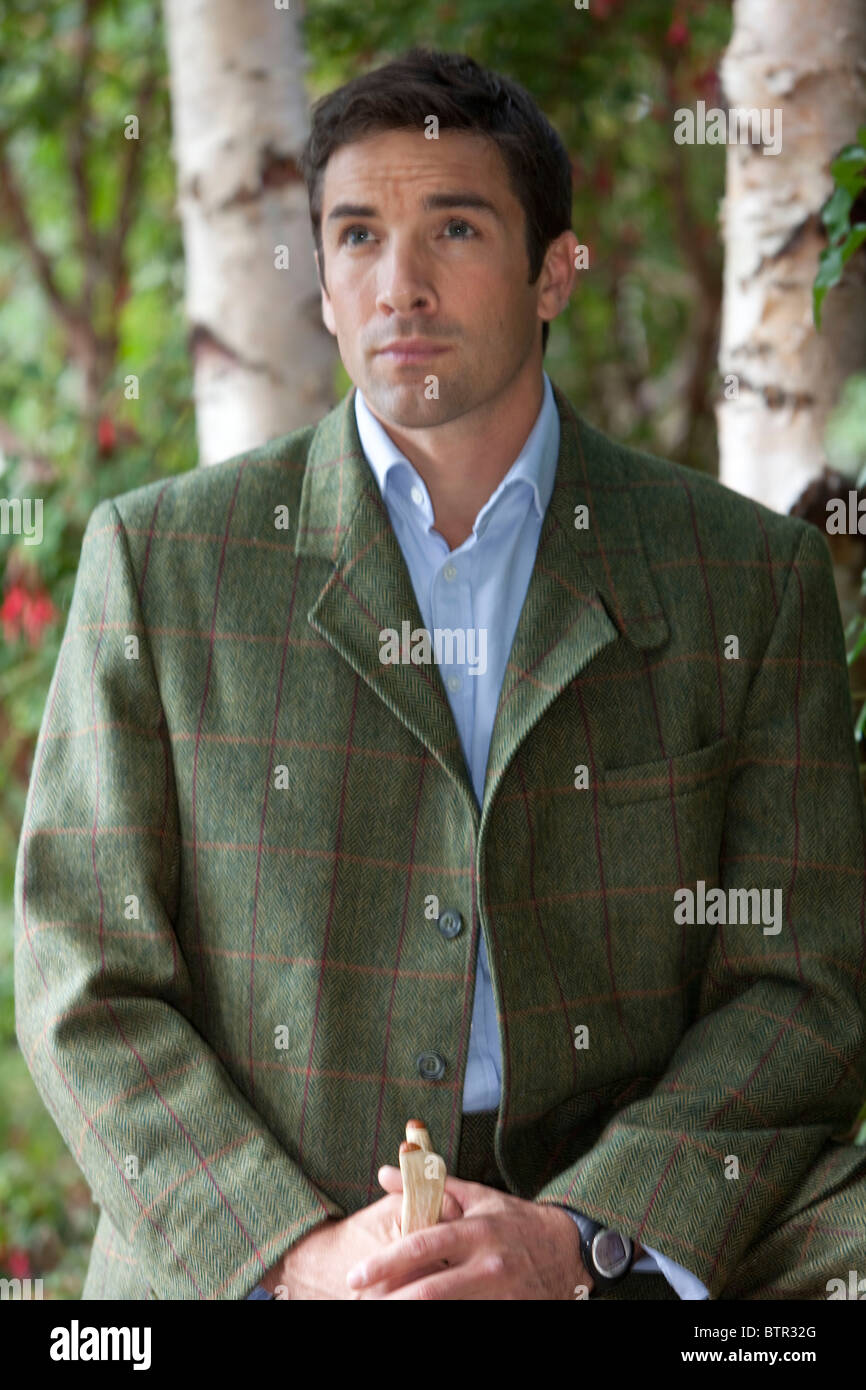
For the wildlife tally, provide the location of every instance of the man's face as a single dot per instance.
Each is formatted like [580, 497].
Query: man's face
[453, 274]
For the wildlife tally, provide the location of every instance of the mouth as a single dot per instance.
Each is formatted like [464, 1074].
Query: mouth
[410, 352]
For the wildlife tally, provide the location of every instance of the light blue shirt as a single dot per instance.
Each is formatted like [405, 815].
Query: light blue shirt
[482, 586]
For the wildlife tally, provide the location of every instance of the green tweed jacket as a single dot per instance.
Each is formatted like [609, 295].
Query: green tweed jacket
[241, 826]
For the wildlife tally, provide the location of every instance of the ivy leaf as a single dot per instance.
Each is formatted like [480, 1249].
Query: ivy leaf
[830, 267]
[831, 264]
[835, 213]
[854, 241]
[849, 169]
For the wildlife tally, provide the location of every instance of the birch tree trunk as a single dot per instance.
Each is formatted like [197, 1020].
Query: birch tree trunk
[807, 59]
[263, 361]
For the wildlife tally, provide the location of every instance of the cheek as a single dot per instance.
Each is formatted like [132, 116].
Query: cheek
[357, 298]
[346, 311]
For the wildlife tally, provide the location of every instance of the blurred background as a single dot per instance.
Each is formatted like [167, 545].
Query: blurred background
[159, 308]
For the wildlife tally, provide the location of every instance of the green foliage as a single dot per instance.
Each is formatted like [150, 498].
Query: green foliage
[845, 236]
[845, 436]
[846, 428]
[71, 457]
[81, 455]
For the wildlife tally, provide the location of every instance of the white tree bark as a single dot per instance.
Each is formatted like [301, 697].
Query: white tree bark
[806, 58]
[263, 360]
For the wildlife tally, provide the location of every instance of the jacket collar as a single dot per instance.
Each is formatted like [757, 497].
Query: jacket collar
[589, 587]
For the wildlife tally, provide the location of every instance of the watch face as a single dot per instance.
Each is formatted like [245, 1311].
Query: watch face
[611, 1253]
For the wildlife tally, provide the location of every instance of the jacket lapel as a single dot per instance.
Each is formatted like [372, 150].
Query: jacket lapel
[589, 586]
[343, 519]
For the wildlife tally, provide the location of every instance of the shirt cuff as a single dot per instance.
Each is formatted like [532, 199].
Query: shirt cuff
[259, 1292]
[687, 1285]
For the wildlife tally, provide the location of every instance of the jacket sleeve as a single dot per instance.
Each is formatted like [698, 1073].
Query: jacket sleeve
[187, 1171]
[773, 1066]
[681, 1280]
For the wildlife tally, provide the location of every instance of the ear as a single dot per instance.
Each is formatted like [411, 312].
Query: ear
[558, 275]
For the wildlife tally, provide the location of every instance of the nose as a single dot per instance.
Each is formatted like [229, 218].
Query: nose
[404, 283]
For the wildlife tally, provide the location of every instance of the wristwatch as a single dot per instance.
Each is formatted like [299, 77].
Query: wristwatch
[607, 1255]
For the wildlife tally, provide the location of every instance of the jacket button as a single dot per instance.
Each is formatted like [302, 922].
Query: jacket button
[450, 923]
[431, 1066]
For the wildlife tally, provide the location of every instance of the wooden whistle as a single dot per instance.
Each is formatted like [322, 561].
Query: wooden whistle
[423, 1174]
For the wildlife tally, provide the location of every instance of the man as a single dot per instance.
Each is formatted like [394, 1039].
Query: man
[449, 760]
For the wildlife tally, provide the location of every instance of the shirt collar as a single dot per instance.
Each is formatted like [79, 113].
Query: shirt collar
[535, 465]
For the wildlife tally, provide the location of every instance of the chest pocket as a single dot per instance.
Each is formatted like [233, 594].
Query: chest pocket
[661, 824]
[699, 770]
[660, 828]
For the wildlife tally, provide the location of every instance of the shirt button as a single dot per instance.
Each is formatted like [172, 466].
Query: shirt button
[431, 1065]
[450, 923]
[417, 496]
[450, 572]
[453, 682]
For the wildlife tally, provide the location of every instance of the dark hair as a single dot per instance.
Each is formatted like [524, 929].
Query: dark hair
[463, 96]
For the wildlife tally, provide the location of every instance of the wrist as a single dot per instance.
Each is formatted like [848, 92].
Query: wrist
[580, 1280]
[273, 1277]
[278, 1279]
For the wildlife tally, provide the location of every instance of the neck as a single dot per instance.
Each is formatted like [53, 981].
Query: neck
[463, 461]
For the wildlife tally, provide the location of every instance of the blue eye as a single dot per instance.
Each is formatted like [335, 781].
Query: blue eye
[461, 222]
[348, 232]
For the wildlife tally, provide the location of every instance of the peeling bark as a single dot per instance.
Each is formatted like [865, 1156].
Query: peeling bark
[807, 60]
[263, 361]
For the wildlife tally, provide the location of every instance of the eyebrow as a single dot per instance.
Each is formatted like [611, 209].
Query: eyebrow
[434, 202]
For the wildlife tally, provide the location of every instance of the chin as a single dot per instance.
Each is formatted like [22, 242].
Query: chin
[405, 403]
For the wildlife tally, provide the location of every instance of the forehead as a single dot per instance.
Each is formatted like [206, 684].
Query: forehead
[404, 164]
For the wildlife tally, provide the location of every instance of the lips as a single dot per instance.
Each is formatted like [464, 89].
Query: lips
[411, 351]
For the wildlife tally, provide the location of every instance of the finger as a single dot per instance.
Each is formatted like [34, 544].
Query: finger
[392, 1180]
[412, 1253]
[451, 1208]
[386, 1286]
[468, 1193]
[466, 1283]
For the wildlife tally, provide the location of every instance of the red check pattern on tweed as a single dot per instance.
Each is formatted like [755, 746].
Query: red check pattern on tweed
[226, 967]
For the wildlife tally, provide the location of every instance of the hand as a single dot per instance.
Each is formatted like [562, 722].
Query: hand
[504, 1248]
[315, 1267]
